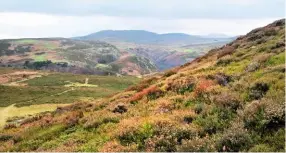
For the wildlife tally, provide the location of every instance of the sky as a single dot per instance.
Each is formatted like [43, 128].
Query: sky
[70, 18]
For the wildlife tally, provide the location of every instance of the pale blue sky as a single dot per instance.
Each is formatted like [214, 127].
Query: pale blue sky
[67, 18]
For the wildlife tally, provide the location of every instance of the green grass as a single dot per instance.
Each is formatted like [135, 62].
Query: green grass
[26, 41]
[103, 66]
[188, 50]
[54, 88]
[40, 57]
[12, 111]
[276, 60]
[49, 45]
[236, 67]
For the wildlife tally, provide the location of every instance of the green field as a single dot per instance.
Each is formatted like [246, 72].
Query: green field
[26, 41]
[40, 57]
[63, 88]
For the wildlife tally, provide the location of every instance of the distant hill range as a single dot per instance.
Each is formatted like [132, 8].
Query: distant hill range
[127, 52]
[75, 56]
[146, 37]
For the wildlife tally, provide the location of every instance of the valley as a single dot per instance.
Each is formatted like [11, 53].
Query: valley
[228, 99]
[40, 91]
[101, 56]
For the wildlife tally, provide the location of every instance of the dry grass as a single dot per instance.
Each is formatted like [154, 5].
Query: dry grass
[12, 111]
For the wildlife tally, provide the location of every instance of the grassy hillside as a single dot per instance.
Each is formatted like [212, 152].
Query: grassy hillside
[23, 88]
[65, 55]
[231, 99]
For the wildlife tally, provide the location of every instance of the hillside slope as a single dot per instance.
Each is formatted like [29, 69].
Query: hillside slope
[231, 99]
[67, 55]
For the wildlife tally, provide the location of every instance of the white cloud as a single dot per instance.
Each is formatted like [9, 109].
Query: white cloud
[17, 25]
[27, 19]
[242, 2]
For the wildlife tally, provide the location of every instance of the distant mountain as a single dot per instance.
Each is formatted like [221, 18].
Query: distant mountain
[217, 35]
[146, 37]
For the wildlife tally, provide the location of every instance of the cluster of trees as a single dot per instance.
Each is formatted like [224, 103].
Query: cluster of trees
[43, 64]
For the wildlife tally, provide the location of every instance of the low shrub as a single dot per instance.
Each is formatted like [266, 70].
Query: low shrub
[5, 137]
[261, 148]
[258, 90]
[196, 145]
[278, 45]
[152, 92]
[221, 78]
[199, 108]
[267, 114]
[262, 49]
[95, 123]
[113, 146]
[72, 118]
[30, 119]
[164, 106]
[202, 87]
[234, 139]
[270, 32]
[227, 50]
[275, 139]
[182, 85]
[224, 61]
[166, 138]
[253, 116]
[228, 100]
[169, 73]
[215, 120]
[160, 136]
[137, 136]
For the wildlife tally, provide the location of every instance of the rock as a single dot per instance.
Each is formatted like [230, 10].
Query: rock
[120, 108]
[252, 67]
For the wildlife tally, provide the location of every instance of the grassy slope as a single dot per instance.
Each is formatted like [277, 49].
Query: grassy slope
[48, 89]
[82, 54]
[231, 99]
[12, 111]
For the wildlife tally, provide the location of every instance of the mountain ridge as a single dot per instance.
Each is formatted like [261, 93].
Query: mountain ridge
[146, 37]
